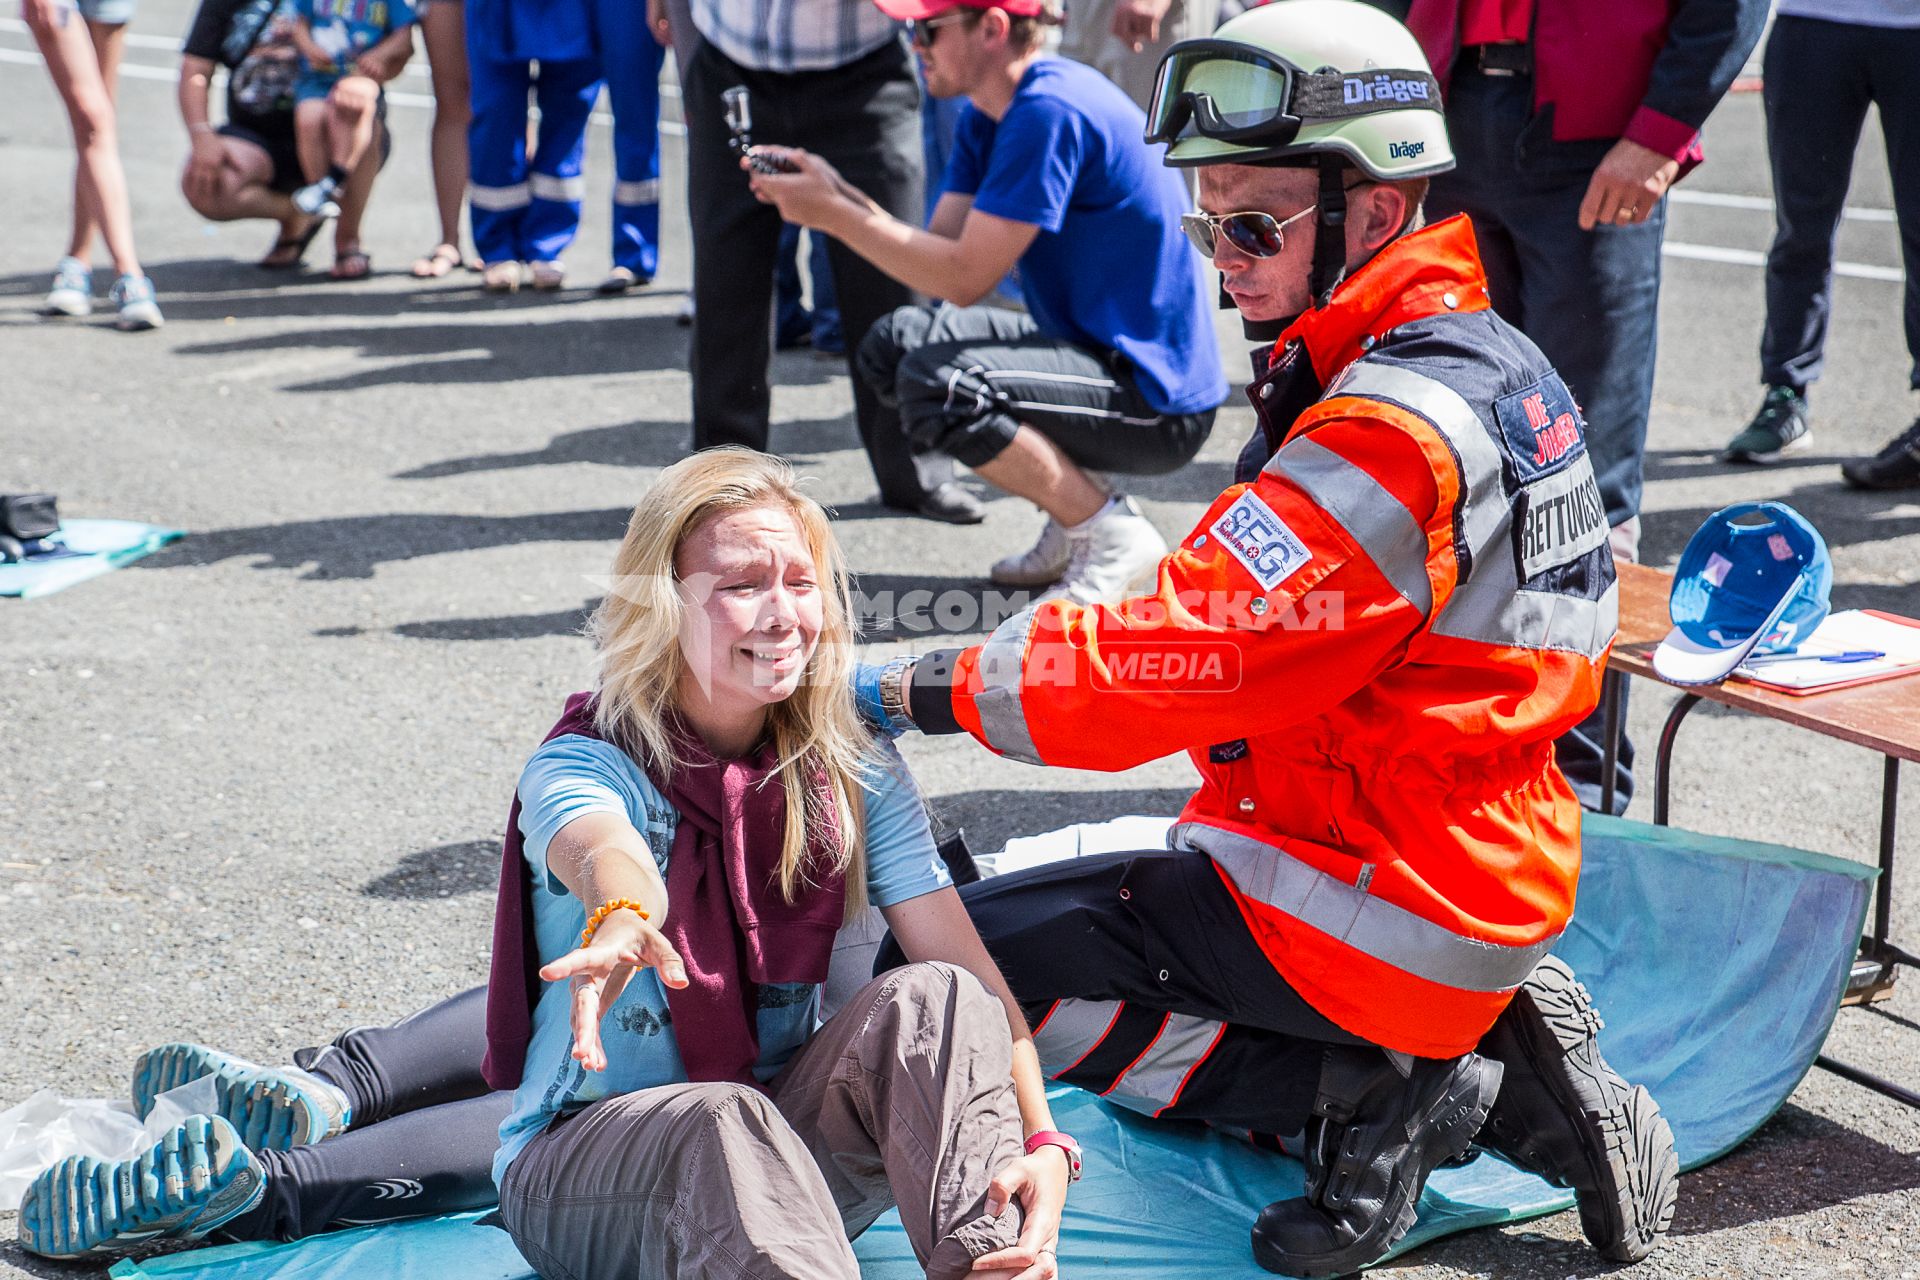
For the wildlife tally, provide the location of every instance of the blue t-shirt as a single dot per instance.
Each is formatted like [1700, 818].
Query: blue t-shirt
[1111, 267]
[348, 28]
[572, 776]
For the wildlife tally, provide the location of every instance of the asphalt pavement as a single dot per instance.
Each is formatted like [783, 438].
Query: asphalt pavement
[251, 789]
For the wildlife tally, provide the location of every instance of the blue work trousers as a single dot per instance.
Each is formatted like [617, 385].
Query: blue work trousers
[527, 208]
[631, 58]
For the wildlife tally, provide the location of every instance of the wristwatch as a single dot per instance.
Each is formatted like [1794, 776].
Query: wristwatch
[1053, 1138]
[893, 698]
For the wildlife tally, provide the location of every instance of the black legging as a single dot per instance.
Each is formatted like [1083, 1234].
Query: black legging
[423, 1134]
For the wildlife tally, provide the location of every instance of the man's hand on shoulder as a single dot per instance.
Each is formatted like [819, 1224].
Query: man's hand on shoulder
[1627, 185]
[1137, 22]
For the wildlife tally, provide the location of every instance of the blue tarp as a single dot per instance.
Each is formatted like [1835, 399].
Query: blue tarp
[87, 549]
[1718, 965]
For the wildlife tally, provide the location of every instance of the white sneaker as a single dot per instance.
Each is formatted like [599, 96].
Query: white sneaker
[1111, 557]
[133, 295]
[316, 199]
[72, 292]
[1037, 566]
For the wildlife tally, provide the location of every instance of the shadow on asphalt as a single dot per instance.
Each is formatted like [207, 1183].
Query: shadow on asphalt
[991, 818]
[525, 626]
[354, 546]
[646, 443]
[444, 871]
[914, 606]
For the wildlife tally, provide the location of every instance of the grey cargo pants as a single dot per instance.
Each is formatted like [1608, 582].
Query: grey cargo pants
[903, 1097]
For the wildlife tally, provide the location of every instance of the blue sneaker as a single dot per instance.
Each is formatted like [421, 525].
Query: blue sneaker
[133, 295]
[72, 291]
[272, 1108]
[196, 1179]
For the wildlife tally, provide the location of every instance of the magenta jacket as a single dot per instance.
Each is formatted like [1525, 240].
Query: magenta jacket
[1648, 70]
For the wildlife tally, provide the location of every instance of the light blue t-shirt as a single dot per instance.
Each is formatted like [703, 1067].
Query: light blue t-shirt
[572, 776]
[1111, 267]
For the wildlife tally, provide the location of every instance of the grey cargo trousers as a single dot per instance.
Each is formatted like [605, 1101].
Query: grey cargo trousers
[903, 1097]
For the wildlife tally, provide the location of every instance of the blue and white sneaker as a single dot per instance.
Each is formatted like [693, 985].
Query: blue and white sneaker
[197, 1178]
[272, 1108]
[72, 291]
[133, 295]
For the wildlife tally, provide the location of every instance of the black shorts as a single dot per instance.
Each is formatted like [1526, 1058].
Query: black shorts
[278, 142]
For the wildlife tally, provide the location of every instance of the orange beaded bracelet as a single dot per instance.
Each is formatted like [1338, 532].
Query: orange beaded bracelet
[607, 908]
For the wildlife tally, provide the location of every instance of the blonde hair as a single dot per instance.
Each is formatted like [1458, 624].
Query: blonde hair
[817, 733]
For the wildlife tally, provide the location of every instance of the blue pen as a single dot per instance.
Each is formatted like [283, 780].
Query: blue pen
[1855, 655]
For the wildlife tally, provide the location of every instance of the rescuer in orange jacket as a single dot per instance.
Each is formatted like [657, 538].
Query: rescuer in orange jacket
[1367, 645]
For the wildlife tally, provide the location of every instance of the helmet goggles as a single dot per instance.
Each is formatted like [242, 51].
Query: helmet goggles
[1248, 97]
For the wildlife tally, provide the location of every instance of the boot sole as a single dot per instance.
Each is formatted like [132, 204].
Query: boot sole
[1632, 1180]
[1462, 1111]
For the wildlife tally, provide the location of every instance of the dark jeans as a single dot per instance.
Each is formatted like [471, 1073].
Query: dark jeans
[1587, 299]
[960, 381]
[864, 118]
[1155, 934]
[424, 1132]
[1820, 78]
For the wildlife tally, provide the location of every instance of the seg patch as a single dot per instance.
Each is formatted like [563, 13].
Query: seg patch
[1259, 539]
[1543, 428]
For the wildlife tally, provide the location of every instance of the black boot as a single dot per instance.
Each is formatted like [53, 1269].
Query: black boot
[1380, 1125]
[1564, 1114]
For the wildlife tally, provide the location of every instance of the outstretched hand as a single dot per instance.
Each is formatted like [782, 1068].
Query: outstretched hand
[1039, 1183]
[809, 195]
[600, 971]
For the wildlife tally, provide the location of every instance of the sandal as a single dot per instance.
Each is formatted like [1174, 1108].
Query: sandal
[500, 277]
[351, 264]
[549, 276]
[443, 259]
[294, 245]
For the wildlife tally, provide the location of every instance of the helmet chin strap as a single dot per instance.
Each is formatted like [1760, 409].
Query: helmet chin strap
[1330, 231]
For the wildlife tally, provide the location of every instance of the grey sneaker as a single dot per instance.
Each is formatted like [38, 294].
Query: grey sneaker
[1779, 427]
[1039, 565]
[1114, 555]
[72, 291]
[133, 295]
[1895, 467]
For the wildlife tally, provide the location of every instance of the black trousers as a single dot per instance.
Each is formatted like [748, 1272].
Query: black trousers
[1820, 78]
[424, 1131]
[961, 380]
[864, 118]
[1144, 985]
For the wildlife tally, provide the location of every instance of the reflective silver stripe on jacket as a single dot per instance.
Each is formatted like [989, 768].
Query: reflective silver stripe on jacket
[1153, 1082]
[1367, 510]
[1491, 609]
[1485, 514]
[1002, 719]
[1386, 932]
[498, 199]
[1072, 1031]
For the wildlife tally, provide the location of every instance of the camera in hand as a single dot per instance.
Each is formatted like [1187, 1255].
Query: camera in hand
[740, 124]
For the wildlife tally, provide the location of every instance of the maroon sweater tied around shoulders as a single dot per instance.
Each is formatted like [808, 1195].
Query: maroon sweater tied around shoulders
[726, 917]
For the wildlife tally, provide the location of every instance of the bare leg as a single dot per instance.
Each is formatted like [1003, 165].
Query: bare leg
[353, 202]
[444, 26]
[108, 41]
[350, 117]
[1032, 467]
[100, 181]
[310, 137]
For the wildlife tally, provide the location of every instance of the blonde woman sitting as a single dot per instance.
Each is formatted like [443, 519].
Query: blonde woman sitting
[681, 852]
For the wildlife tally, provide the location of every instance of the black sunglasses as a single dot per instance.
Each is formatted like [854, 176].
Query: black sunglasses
[921, 34]
[1258, 235]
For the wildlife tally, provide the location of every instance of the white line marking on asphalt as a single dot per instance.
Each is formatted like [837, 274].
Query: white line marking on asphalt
[1755, 258]
[1761, 204]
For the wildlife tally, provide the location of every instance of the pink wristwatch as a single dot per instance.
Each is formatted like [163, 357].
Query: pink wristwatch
[1053, 1138]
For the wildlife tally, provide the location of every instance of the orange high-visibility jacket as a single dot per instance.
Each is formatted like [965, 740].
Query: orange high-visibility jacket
[1367, 646]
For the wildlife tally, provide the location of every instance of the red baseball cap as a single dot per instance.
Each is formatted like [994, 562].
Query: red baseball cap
[921, 10]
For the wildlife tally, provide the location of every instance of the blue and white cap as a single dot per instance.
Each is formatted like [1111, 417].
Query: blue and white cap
[1754, 579]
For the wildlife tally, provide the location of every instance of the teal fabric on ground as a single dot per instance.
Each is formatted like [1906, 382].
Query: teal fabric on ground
[1718, 964]
[89, 548]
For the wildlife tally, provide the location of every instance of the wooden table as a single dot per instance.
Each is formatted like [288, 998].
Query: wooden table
[1883, 716]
